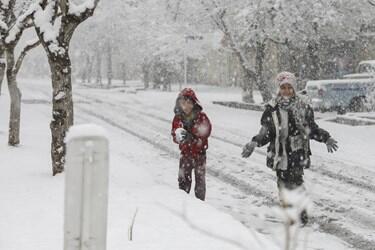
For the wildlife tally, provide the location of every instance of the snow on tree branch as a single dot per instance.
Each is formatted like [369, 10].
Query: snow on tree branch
[30, 45]
[4, 12]
[54, 31]
[83, 10]
[4, 4]
[217, 15]
[43, 19]
[22, 22]
[47, 26]
[3, 26]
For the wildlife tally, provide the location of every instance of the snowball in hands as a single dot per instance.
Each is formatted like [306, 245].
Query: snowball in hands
[180, 134]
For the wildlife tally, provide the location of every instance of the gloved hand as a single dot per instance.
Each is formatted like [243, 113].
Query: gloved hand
[186, 136]
[331, 145]
[182, 135]
[248, 149]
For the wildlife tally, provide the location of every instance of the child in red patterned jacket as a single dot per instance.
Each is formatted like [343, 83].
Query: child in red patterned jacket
[191, 129]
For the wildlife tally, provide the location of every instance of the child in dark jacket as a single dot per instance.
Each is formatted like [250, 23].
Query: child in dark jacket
[288, 125]
[191, 129]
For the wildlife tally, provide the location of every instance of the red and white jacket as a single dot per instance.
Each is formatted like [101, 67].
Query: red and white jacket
[200, 127]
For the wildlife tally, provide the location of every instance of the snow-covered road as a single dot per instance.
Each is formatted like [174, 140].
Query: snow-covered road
[340, 186]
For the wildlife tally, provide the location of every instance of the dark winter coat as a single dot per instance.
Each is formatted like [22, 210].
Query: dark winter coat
[301, 128]
[199, 127]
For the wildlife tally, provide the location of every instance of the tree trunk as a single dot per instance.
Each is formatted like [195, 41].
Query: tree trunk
[247, 95]
[249, 76]
[15, 99]
[123, 73]
[247, 90]
[89, 68]
[98, 68]
[83, 76]
[62, 114]
[260, 82]
[146, 74]
[2, 67]
[248, 73]
[84, 68]
[314, 68]
[109, 65]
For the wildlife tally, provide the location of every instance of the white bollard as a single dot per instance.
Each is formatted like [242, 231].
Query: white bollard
[86, 188]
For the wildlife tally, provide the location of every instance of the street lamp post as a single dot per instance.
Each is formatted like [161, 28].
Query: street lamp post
[185, 64]
[187, 38]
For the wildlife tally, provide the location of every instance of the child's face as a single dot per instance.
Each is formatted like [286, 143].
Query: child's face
[286, 90]
[186, 105]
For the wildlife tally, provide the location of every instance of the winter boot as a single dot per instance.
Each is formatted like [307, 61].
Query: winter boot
[304, 218]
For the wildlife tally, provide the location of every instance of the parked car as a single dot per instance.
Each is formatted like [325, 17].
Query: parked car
[365, 69]
[340, 95]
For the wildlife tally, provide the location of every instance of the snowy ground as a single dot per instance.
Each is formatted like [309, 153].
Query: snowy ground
[144, 174]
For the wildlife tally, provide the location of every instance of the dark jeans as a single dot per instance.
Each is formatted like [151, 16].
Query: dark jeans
[187, 164]
[289, 179]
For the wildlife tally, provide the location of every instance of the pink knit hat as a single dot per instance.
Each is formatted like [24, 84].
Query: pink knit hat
[286, 77]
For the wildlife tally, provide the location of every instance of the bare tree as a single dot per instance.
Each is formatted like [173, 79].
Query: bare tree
[55, 22]
[13, 22]
[89, 62]
[123, 72]
[87, 70]
[146, 72]
[2, 66]
[98, 67]
[252, 75]
[109, 63]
